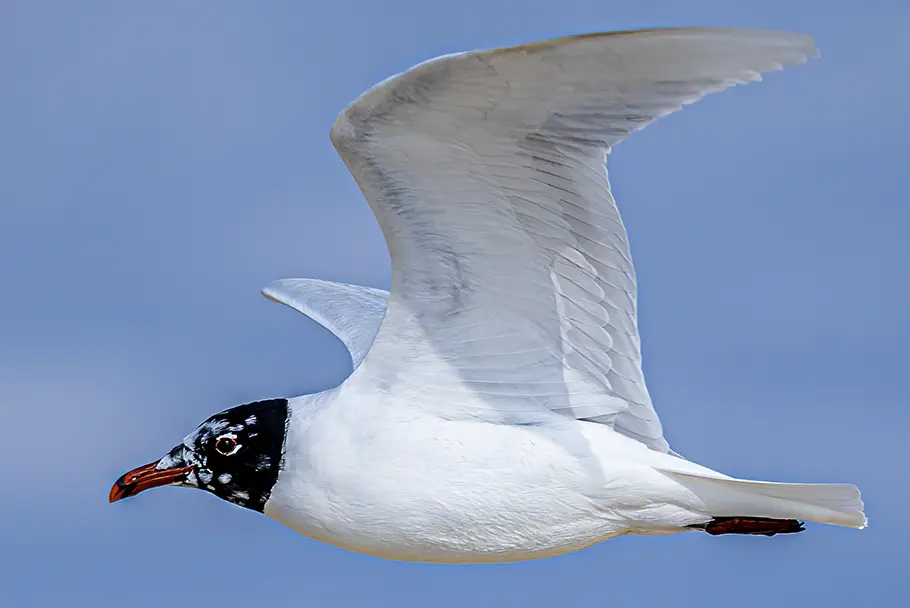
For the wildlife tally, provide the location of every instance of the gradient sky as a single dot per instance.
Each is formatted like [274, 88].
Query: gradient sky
[161, 161]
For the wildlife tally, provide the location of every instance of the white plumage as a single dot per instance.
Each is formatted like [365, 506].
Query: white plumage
[498, 410]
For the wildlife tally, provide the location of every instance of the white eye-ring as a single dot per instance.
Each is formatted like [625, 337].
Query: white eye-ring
[227, 445]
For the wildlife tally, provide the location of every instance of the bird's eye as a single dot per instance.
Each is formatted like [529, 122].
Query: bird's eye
[226, 445]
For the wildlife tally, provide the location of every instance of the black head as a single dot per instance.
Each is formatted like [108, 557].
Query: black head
[236, 455]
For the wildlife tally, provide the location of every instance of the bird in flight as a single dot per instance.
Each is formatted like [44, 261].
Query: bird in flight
[497, 409]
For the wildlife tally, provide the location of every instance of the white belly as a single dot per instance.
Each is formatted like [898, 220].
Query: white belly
[427, 489]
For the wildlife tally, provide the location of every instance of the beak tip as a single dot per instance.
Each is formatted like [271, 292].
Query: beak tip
[121, 489]
[117, 492]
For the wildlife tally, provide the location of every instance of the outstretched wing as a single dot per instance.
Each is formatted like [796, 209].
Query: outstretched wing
[352, 312]
[513, 292]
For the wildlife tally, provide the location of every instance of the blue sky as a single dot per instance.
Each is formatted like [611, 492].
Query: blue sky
[162, 161]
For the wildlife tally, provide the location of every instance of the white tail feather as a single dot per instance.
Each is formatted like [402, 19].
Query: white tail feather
[836, 504]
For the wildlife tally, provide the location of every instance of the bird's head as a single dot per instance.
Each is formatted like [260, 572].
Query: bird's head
[236, 455]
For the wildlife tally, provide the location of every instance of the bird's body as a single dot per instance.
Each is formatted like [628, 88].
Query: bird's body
[410, 485]
[402, 483]
[497, 410]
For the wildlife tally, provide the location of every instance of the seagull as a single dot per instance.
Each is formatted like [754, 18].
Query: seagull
[496, 410]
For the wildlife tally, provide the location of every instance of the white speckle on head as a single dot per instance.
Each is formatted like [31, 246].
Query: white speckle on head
[251, 419]
[224, 478]
[235, 427]
[263, 462]
[241, 495]
[166, 463]
[181, 458]
[208, 428]
[205, 476]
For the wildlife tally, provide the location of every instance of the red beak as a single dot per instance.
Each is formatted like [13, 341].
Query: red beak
[145, 477]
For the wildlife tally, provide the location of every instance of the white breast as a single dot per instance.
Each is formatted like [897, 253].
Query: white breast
[416, 487]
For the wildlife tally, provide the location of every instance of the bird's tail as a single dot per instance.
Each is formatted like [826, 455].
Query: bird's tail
[760, 507]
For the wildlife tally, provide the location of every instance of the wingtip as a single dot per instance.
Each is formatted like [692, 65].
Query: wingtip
[272, 291]
[803, 43]
[265, 293]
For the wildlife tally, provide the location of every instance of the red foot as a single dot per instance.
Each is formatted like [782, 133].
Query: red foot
[752, 525]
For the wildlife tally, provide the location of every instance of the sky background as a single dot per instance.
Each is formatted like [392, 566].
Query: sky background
[162, 161]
